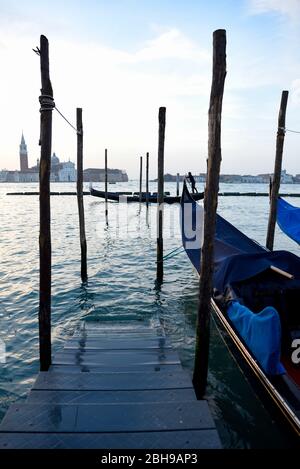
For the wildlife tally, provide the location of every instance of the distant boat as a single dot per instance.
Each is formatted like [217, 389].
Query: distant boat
[288, 218]
[256, 296]
[134, 197]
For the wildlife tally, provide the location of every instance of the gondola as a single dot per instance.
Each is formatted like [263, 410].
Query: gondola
[115, 196]
[255, 301]
[288, 219]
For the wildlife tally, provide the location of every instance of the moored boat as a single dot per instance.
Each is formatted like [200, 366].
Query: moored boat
[135, 197]
[255, 302]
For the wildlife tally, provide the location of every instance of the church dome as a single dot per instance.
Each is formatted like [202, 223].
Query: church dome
[54, 160]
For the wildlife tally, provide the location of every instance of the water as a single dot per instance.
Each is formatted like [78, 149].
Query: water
[121, 267]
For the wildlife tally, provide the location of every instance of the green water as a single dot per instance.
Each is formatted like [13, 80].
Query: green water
[121, 287]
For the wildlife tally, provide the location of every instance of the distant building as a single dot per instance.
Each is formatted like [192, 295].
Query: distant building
[249, 179]
[98, 175]
[23, 155]
[286, 178]
[231, 178]
[200, 177]
[25, 174]
[54, 161]
[67, 172]
[240, 179]
[297, 179]
[3, 175]
[31, 175]
[173, 178]
[9, 176]
[265, 178]
[62, 172]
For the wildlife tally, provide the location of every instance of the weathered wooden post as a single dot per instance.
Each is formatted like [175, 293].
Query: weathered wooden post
[80, 195]
[210, 207]
[47, 105]
[147, 179]
[141, 176]
[177, 184]
[160, 193]
[277, 171]
[105, 186]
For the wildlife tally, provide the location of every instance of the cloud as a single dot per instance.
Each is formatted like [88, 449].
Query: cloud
[171, 44]
[290, 8]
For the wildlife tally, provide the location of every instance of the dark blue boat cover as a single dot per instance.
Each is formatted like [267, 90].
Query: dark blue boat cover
[288, 218]
[239, 258]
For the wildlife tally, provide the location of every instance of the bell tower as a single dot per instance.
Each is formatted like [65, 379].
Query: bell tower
[23, 155]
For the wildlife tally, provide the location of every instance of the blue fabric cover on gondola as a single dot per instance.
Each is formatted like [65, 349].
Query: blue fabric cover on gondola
[288, 218]
[244, 266]
[262, 334]
[236, 257]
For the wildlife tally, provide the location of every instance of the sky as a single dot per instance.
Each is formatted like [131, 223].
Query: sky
[120, 60]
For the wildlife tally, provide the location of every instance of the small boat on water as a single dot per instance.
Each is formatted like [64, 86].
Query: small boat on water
[135, 197]
[288, 219]
[256, 297]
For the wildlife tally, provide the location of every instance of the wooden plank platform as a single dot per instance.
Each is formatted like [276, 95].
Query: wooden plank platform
[115, 369]
[112, 387]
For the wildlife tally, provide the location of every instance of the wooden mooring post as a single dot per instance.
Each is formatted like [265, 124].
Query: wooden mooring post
[83, 246]
[177, 184]
[47, 105]
[277, 171]
[105, 186]
[210, 207]
[147, 179]
[141, 179]
[160, 193]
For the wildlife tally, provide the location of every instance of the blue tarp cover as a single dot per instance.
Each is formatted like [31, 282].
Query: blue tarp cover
[236, 257]
[244, 266]
[288, 218]
[262, 334]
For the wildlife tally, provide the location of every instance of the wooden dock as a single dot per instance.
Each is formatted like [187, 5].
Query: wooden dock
[112, 386]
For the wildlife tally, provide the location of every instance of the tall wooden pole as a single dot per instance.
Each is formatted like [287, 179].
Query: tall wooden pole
[147, 179]
[210, 207]
[47, 105]
[177, 184]
[105, 186]
[160, 193]
[80, 194]
[141, 179]
[277, 171]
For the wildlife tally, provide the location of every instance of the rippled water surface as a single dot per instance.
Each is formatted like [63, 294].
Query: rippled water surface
[121, 287]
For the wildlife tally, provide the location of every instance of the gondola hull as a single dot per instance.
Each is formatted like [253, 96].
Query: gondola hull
[135, 198]
[241, 265]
